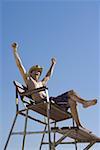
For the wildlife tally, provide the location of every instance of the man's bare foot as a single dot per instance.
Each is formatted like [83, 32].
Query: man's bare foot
[89, 103]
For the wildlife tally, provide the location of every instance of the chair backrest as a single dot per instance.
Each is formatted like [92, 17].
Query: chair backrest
[19, 87]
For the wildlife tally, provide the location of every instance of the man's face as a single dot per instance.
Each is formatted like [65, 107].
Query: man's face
[35, 74]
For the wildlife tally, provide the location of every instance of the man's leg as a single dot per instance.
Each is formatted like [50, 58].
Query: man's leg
[74, 113]
[86, 103]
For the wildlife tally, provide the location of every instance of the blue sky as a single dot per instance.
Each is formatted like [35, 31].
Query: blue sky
[66, 30]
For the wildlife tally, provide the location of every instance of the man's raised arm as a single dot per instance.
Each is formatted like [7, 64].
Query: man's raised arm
[19, 62]
[50, 71]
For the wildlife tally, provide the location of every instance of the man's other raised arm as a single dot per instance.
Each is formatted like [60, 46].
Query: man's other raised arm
[50, 71]
[19, 62]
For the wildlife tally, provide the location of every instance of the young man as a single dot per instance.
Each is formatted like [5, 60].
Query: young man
[66, 100]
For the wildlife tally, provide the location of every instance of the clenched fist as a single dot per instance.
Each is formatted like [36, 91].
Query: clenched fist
[53, 60]
[15, 45]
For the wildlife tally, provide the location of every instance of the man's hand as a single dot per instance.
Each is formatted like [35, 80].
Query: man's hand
[15, 46]
[53, 60]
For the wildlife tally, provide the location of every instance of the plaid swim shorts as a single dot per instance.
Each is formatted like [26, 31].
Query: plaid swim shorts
[61, 100]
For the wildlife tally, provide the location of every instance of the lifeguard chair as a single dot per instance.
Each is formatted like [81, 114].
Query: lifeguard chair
[54, 114]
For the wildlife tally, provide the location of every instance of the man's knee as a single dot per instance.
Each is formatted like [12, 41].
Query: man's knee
[72, 102]
[71, 92]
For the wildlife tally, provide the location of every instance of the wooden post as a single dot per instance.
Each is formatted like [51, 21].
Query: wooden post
[25, 127]
[48, 118]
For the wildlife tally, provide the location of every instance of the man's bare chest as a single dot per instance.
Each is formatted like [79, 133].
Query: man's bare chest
[32, 84]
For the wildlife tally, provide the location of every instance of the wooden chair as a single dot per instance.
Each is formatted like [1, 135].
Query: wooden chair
[53, 112]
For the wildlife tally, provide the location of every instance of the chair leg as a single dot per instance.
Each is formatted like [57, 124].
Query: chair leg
[90, 145]
[75, 140]
[54, 133]
[48, 121]
[10, 132]
[54, 137]
[25, 127]
[43, 137]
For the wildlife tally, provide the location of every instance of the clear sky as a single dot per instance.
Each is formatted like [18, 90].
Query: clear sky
[66, 30]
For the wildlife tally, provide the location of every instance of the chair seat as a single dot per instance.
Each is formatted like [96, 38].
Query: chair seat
[56, 113]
